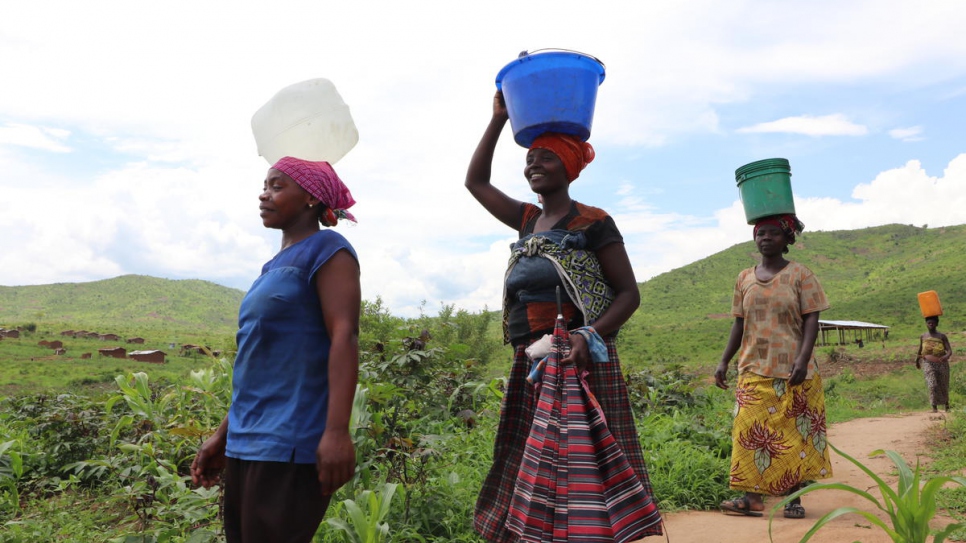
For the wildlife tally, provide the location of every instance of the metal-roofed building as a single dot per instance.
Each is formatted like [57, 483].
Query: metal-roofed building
[838, 332]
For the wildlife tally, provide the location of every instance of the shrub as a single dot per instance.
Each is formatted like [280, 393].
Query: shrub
[910, 507]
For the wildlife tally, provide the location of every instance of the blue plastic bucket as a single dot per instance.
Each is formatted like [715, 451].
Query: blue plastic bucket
[553, 91]
[765, 188]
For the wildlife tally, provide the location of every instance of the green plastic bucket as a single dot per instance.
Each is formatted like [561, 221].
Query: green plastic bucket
[765, 188]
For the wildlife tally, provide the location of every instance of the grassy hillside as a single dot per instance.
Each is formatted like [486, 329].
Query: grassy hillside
[166, 313]
[126, 305]
[871, 275]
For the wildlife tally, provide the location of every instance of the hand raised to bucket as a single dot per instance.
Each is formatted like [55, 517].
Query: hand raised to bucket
[499, 106]
[551, 91]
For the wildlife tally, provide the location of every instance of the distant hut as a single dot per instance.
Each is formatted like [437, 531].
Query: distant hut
[56, 344]
[43, 343]
[86, 356]
[188, 348]
[115, 352]
[109, 337]
[138, 340]
[11, 333]
[60, 351]
[67, 333]
[155, 356]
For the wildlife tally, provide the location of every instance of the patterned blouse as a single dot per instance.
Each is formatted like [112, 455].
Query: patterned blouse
[564, 256]
[772, 311]
[933, 346]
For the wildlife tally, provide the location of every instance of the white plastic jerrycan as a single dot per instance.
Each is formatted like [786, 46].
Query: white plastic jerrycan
[307, 120]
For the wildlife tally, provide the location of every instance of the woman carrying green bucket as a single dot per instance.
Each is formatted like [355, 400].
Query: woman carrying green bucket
[779, 438]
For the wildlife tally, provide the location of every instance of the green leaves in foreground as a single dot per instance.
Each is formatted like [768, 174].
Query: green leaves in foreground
[366, 525]
[910, 507]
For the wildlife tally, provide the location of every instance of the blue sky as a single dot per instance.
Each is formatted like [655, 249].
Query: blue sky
[126, 145]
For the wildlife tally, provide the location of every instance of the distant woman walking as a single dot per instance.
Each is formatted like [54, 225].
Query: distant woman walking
[933, 358]
[778, 437]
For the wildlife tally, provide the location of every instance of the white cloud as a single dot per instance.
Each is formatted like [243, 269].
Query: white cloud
[659, 242]
[905, 195]
[827, 125]
[912, 133]
[139, 219]
[165, 95]
[36, 137]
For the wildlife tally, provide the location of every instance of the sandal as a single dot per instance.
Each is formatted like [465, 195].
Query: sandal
[794, 510]
[741, 506]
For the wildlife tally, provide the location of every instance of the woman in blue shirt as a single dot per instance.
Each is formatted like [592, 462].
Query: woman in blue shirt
[285, 446]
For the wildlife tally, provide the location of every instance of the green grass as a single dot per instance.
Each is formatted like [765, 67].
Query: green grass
[849, 398]
[947, 447]
[688, 454]
[684, 426]
[675, 338]
[910, 506]
[871, 275]
[26, 367]
[169, 310]
[75, 515]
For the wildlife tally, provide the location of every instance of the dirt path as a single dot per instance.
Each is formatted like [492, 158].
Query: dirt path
[905, 434]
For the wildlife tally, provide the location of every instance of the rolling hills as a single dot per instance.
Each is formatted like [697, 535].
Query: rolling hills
[871, 275]
[132, 304]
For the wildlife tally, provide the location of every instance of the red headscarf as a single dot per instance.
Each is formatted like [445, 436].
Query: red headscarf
[574, 153]
[321, 181]
[789, 225]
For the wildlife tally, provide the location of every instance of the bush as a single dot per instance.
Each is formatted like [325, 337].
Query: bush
[909, 507]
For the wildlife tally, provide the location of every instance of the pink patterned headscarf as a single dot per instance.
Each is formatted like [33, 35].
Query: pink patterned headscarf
[321, 181]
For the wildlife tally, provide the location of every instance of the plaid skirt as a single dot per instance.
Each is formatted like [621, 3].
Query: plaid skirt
[779, 435]
[516, 417]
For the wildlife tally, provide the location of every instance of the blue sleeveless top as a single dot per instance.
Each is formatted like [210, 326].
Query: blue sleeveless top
[280, 387]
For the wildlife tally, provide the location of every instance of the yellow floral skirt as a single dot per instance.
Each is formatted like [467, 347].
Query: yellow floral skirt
[779, 436]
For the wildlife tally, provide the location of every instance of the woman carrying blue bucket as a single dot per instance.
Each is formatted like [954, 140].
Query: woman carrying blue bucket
[578, 248]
